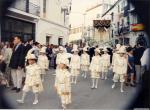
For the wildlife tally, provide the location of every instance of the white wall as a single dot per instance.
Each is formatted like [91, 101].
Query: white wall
[53, 23]
[36, 2]
[45, 28]
[92, 15]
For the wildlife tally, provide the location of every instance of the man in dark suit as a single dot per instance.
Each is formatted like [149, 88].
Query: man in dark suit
[91, 52]
[17, 62]
[28, 46]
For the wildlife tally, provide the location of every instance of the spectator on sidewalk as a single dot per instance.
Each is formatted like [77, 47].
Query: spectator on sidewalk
[138, 52]
[17, 63]
[29, 45]
[145, 60]
[131, 66]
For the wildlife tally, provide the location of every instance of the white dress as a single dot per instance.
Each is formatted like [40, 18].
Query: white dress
[63, 85]
[85, 62]
[115, 57]
[105, 62]
[121, 69]
[33, 80]
[75, 65]
[59, 57]
[43, 63]
[95, 67]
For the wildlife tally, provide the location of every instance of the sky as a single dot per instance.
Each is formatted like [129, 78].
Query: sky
[78, 9]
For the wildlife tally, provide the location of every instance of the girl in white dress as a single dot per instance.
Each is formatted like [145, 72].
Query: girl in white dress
[95, 68]
[33, 80]
[105, 63]
[62, 83]
[43, 62]
[75, 65]
[85, 62]
[121, 68]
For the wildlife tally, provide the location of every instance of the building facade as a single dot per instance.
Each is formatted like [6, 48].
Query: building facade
[45, 21]
[96, 27]
[126, 27]
[91, 33]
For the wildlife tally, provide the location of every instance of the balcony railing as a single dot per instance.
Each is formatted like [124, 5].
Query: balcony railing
[25, 6]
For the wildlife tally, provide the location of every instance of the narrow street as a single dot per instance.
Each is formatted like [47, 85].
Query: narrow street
[83, 97]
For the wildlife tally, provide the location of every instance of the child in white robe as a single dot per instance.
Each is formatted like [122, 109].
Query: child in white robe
[75, 65]
[33, 80]
[43, 62]
[105, 64]
[95, 68]
[121, 68]
[114, 58]
[85, 62]
[62, 83]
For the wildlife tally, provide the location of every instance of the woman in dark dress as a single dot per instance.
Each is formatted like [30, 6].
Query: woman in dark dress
[131, 66]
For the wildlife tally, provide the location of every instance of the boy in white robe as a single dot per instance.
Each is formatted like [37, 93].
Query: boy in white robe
[121, 68]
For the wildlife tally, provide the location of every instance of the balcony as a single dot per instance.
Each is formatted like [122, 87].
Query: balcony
[26, 6]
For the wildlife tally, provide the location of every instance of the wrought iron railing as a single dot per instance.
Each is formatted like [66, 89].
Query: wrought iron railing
[25, 6]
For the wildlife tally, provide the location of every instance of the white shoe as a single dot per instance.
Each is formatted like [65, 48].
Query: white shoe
[35, 102]
[121, 90]
[20, 101]
[75, 82]
[84, 77]
[113, 86]
[92, 87]
[64, 107]
[95, 87]
[105, 78]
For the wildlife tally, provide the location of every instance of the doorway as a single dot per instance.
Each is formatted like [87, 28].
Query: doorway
[60, 41]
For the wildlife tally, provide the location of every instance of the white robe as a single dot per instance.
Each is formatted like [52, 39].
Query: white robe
[33, 78]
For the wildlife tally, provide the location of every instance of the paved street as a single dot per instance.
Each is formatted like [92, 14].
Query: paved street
[83, 97]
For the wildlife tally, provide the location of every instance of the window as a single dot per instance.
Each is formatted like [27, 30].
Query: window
[60, 41]
[48, 40]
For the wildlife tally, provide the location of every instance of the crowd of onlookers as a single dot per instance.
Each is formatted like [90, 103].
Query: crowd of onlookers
[13, 56]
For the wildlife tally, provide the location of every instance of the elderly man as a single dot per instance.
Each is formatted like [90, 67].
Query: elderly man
[17, 62]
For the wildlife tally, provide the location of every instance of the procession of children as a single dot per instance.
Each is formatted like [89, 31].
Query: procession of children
[70, 66]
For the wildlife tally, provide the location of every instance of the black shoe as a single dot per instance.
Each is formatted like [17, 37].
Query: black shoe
[132, 85]
[18, 90]
[14, 88]
[127, 84]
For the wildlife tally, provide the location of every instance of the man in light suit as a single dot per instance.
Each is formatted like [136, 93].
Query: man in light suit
[17, 63]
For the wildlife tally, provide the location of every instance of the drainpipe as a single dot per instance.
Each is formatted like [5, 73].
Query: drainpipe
[27, 6]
